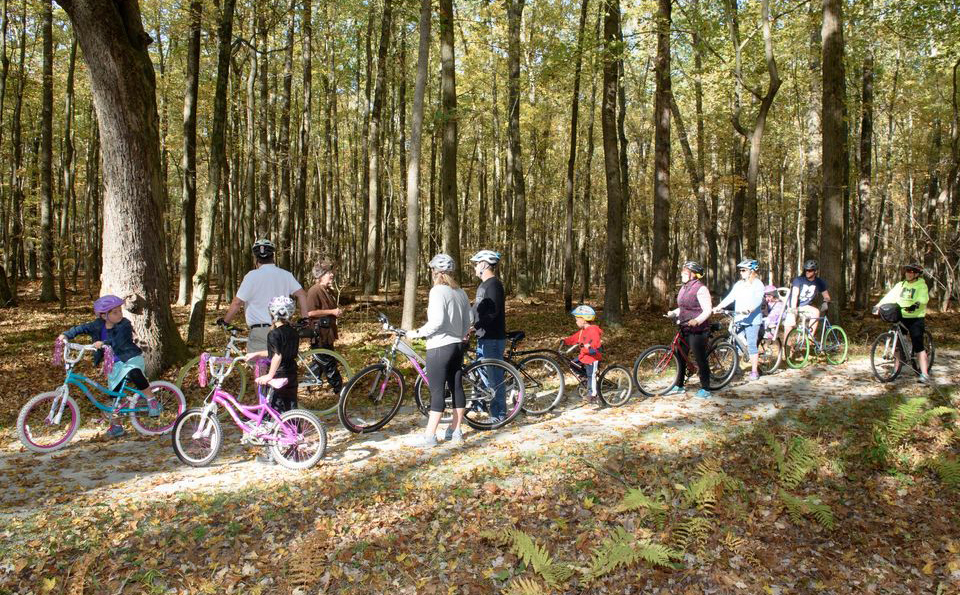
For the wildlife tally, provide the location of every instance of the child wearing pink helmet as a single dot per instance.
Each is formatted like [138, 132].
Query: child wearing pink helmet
[773, 308]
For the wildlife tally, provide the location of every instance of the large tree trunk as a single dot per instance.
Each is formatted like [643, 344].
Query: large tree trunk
[69, 169]
[517, 216]
[448, 152]
[123, 85]
[216, 169]
[303, 140]
[662, 273]
[864, 186]
[834, 150]
[47, 291]
[16, 177]
[413, 171]
[571, 167]
[188, 201]
[814, 158]
[613, 271]
[283, 147]
[374, 219]
[584, 240]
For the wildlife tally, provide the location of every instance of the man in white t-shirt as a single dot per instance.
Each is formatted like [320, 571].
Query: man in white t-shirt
[258, 287]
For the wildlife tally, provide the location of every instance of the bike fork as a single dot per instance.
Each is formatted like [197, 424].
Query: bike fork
[205, 427]
[57, 406]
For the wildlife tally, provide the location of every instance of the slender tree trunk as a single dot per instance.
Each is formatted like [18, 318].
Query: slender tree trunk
[216, 169]
[930, 233]
[450, 242]
[885, 190]
[661, 182]
[303, 139]
[584, 239]
[814, 157]
[834, 150]
[864, 186]
[68, 171]
[188, 201]
[571, 167]
[283, 145]
[517, 188]
[16, 177]
[264, 212]
[613, 274]
[47, 291]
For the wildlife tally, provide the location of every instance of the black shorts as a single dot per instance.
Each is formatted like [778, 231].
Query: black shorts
[915, 326]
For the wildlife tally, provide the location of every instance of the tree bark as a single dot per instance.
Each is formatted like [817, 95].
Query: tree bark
[264, 213]
[814, 158]
[284, 222]
[123, 85]
[517, 216]
[47, 291]
[571, 167]
[864, 186]
[188, 201]
[661, 182]
[303, 139]
[834, 150]
[613, 252]
[69, 169]
[450, 242]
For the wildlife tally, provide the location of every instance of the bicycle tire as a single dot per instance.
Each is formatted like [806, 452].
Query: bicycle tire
[349, 405]
[835, 345]
[615, 386]
[544, 383]
[724, 361]
[771, 355]
[312, 440]
[172, 404]
[930, 347]
[235, 384]
[656, 371]
[796, 352]
[308, 380]
[476, 390]
[184, 443]
[886, 361]
[27, 429]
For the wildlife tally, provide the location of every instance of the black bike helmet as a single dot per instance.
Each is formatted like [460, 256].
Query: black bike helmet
[693, 267]
[918, 269]
[811, 265]
[889, 312]
[263, 248]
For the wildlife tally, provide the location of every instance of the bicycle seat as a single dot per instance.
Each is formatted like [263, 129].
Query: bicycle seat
[515, 336]
[278, 383]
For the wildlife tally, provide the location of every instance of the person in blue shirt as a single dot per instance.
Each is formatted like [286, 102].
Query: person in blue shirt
[803, 292]
[747, 299]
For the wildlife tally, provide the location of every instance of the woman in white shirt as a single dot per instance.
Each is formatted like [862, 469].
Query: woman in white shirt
[747, 299]
[448, 321]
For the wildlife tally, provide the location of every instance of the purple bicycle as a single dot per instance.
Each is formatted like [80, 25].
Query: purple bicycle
[297, 438]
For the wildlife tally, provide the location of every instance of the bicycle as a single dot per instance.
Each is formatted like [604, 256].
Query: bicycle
[297, 438]
[800, 341]
[372, 397]
[657, 369]
[893, 348]
[770, 349]
[236, 347]
[48, 421]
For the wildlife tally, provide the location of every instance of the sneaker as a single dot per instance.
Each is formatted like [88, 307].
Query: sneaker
[455, 437]
[923, 379]
[754, 376]
[496, 420]
[423, 441]
[115, 431]
[153, 408]
[703, 394]
[676, 390]
[266, 458]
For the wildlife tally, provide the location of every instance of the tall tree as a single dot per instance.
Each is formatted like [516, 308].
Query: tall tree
[283, 144]
[413, 170]
[517, 192]
[264, 213]
[834, 149]
[216, 169]
[662, 265]
[303, 139]
[568, 264]
[613, 272]
[864, 186]
[448, 152]
[47, 291]
[68, 168]
[813, 168]
[188, 202]
[123, 85]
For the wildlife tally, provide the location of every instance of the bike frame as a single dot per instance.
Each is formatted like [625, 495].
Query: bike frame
[85, 385]
[807, 335]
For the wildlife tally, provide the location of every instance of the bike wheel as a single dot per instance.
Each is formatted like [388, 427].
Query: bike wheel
[723, 360]
[835, 345]
[796, 349]
[38, 432]
[171, 401]
[193, 449]
[421, 396]
[615, 386]
[310, 437]
[886, 357]
[315, 391]
[235, 383]
[771, 354]
[370, 399]
[930, 348]
[481, 382]
[544, 383]
[656, 371]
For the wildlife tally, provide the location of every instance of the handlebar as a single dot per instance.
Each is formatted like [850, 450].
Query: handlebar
[382, 318]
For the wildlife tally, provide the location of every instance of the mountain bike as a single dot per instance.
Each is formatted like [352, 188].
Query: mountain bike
[372, 397]
[893, 348]
[297, 438]
[801, 341]
[770, 349]
[48, 421]
[657, 369]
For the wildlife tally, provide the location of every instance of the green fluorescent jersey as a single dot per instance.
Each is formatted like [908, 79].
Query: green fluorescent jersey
[905, 294]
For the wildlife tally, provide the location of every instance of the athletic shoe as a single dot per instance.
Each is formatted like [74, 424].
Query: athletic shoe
[497, 420]
[453, 437]
[703, 394]
[754, 376]
[676, 390]
[115, 431]
[153, 408]
[422, 441]
[924, 378]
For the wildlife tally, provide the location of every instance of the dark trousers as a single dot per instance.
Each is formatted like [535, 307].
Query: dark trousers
[134, 377]
[698, 343]
[326, 366]
[915, 327]
[285, 399]
[443, 373]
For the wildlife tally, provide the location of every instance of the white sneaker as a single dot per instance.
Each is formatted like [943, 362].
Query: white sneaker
[453, 437]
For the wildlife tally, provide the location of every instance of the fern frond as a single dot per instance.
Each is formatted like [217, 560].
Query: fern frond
[692, 531]
[903, 418]
[948, 470]
[710, 484]
[774, 445]
[532, 554]
[623, 549]
[936, 412]
[524, 586]
[635, 499]
[799, 507]
[739, 546]
[802, 457]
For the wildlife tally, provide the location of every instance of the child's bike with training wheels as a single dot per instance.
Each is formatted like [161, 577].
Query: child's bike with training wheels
[801, 342]
[893, 349]
[49, 420]
[657, 369]
[297, 438]
[373, 396]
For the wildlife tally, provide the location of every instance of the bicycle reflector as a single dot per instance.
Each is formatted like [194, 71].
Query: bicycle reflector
[889, 312]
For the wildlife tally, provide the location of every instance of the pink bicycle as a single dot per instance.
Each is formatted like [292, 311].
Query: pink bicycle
[297, 437]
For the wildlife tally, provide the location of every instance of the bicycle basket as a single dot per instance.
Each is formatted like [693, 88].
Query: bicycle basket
[889, 312]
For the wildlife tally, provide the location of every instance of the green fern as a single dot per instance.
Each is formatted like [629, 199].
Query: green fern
[801, 458]
[623, 549]
[635, 499]
[524, 586]
[532, 555]
[948, 470]
[774, 445]
[709, 485]
[799, 507]
[692, 531]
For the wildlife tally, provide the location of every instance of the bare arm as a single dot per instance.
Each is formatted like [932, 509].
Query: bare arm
[234, 308]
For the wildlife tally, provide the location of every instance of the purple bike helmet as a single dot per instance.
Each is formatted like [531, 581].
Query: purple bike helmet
[106, 303]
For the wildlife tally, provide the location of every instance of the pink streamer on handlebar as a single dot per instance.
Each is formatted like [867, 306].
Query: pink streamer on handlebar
[58, 352]
[261, 366]
[202, 369]
[108, 360]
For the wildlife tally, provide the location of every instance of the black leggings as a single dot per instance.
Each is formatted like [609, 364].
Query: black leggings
[134, 377]
[915, 327]
[285, 399]
[443, 372]
[698, 343]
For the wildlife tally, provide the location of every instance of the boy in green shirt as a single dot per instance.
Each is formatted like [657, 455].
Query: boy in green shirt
[911, 295]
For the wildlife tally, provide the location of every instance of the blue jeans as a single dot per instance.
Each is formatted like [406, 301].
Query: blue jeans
[493, 349]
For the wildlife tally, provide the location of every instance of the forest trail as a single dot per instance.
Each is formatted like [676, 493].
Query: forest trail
[95, 470]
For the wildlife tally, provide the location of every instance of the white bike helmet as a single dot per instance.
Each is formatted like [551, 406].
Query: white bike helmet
[585, 312]
[263, 248]
[281, 308]
[441, 263]
[487, 256]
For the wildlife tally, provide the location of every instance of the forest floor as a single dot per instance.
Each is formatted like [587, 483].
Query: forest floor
[815, 480]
